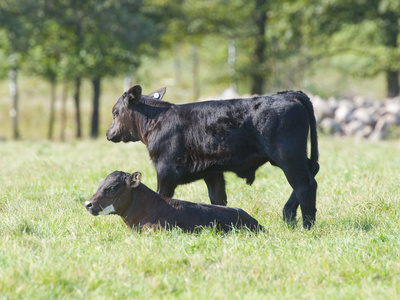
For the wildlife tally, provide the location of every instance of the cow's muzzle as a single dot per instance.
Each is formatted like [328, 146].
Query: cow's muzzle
[113, 138]
[91, 208]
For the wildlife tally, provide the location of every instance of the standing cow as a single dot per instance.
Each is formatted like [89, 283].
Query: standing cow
[203, 140]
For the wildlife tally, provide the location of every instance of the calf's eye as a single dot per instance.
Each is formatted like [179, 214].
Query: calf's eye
[115, 113]
[111, 189]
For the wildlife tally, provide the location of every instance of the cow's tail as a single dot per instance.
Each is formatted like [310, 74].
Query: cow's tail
[313, 161]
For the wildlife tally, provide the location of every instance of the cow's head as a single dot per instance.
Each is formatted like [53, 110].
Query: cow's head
[124, 126]
[113, 195]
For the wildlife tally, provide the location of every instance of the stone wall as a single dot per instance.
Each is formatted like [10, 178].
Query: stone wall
[357, 117]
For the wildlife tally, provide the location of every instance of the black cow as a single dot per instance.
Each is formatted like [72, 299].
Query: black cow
[205, 139]
[123, 194]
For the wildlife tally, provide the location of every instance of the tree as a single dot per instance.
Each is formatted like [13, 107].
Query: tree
[256, 32]
[258, 76]
[228, 21]
[364, 32]
[14, 19]
[88, 39]
[45, 58]
[107, 38]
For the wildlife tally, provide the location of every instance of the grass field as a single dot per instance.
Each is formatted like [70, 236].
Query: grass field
[50, 247]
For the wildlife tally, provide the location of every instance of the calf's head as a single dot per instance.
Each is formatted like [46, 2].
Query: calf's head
[114, 194]
[124, 126]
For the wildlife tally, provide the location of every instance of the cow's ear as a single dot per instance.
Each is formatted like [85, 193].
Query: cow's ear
[134, 180]
[134, 95]
[158, 94]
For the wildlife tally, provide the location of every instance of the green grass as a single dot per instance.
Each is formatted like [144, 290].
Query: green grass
[50, 247]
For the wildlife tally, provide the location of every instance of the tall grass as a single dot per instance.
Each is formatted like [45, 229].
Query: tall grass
[50, 247]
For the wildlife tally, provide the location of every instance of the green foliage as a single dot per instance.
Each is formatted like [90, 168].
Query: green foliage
[68, 39]
[195, 19]
[51, 247]
[65, 39]
[365, 35]
[16, 28]
[4, 57]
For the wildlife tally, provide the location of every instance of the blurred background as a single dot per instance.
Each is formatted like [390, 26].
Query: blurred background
[64, 63]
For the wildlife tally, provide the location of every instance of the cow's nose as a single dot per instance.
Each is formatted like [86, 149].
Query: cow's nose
[88, 204]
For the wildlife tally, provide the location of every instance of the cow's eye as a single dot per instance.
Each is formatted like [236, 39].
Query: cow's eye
[111, 189]
[115, 113]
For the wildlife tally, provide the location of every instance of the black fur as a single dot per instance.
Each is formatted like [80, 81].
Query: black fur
[203, 140]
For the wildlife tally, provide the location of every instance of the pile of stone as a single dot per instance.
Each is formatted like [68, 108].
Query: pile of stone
[358, 117]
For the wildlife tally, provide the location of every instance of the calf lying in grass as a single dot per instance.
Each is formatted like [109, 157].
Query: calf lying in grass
[122, 194]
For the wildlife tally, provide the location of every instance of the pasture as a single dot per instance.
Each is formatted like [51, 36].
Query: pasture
[51, 247]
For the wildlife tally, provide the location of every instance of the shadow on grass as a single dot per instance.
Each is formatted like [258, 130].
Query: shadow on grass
[363, 223]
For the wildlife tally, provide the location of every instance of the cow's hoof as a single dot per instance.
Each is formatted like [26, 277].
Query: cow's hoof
[308, 223]
[290, 219]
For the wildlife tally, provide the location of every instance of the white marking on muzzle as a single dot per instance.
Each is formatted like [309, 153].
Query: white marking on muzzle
[108, 210]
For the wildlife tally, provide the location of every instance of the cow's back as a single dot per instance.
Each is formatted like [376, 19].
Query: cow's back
[230, 135]
[188, 216]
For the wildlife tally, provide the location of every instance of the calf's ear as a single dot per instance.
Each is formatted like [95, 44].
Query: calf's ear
[158, 94]
[134, 95]
[134, 180]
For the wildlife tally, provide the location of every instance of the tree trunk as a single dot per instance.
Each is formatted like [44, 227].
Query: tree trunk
[392, 79]
[52, 113]
[77, 96]
[64, 111]
[391, 33]
[14, 99]
[232, 63]
[195, 72]
[258, 76]
[96, 102]
[127, 81]
[177, 63]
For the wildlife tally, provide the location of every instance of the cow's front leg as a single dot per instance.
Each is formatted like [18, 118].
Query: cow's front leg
[165, 187]
[216, 188]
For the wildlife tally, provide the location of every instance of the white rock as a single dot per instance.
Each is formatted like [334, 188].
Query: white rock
[329, 125]
[366, 115]
[322, 108]
[352, 127]
[343, 113]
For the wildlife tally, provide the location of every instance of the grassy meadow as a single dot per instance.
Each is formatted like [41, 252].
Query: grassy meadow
[50, 247]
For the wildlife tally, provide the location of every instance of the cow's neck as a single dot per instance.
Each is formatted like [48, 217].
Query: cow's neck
[151, 111]
[144, 202]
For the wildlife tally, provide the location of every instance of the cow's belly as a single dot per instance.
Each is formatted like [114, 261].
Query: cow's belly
[243, 167]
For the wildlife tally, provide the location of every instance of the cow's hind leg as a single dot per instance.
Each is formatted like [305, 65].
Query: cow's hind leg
[216, 188]
[291, 206]
[290, 209]
[308, 205]
[304, 190]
